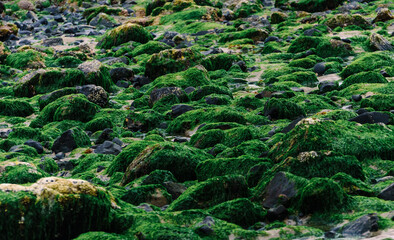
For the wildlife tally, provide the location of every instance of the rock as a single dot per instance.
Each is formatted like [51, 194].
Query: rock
[371, 117]
[170, 156]
[121, 74]
[35, 145]
[205, 226]
[327, 86]
[108, 148]
[52, 42]
[26, 5]
[106, 135]
[59, 156]
[357, 98]
[180, 109]
[387, 193]
[278, 213]
[320, 68]
[279, 189]
[154, 194]
[65, 165]
[175, 189]
[312, 32]
[49, 198]
[58, 18]
[6, 30]
[94, 94]
[383, 15]
[103, 20]
[70, 140]
[362, 226]
[278, 17]
[343, 20]
[380, 43]
[160, 93]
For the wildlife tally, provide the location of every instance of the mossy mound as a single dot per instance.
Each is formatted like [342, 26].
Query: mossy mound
[303, 78]
[70, 107]
[149, 48]
[15, 108]
[171, 61]
[211, 192]
[383, 102]
[192, 77]
[364, 77]
[48, 202]
[98, 124]
[225, 166]
[251, 33]
[220, 61]
[349, 139]
[191, 119]
[44, 81]
[29, 59]
[253, 148]
[154, 194]
[351, 185]
[20, 173]
[368, 62]
[322, 195]
[125, 33]
[240, 211]
[180, 160]
[323, 47]
[343, 20]
[207, 138]
[123, 160]
[277, 108]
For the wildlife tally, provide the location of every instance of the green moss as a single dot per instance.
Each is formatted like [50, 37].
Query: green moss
[251, 33]
[313, 6]
[247, 9]
[21, 174]
[381, 102]
[313, 103]
[91, 13]
[147, 194]
[240, 211]
[67, 62]
[47, 99]
[124, 33]
[339, 114]
[351, 185]
[253, 148]
[363, 77]
[322, 195]
[21, 60]
[22, 134]
[220, 61]
[225, 166]
[368, 62]
[98, 124]
[70, 107]
[192, 77]
[150, 47]
[154, 137]
[303, 78]
[211, 192]
[179, 159]
[206, 90]
[191, 14]
[312, 164]
[51, 214]
[49, 165]
[207, 138]
[341, 136]
[156, 177]
[86, 162]
[144, 121]
[303, 63]
[162, 231]
[45, 81]
[15, 108]
[191, 119]
[281, 108]
[100, 236]
[171, 61]
[303, 43]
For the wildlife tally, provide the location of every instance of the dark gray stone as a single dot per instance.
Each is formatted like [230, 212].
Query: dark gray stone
[35, 145]
[371, 117]
[387, 193]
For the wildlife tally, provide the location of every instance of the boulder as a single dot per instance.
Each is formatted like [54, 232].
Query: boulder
[94, 94]
[371, 117]
[380, 43]
[387, 193]
[362, 226]
[64, 208]
[108, 147]
[383, 15]
[70, 140]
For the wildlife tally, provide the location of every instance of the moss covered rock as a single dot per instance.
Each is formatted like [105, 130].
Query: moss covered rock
[343, 20]
[364, 77]
[349, 139]
[171, 60]
[15, 108]
[240, 211]
[64, 208]
[20, 173]
[211, 192]
[180, 160]
[277, 108]
[125, 33]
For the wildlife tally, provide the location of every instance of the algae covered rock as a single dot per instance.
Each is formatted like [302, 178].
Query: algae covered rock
[15, 108]
[125, 33]
[171, 60]
[211, 192]
[343, 20]
[70, 140]
[180, 160]
[64, 208]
